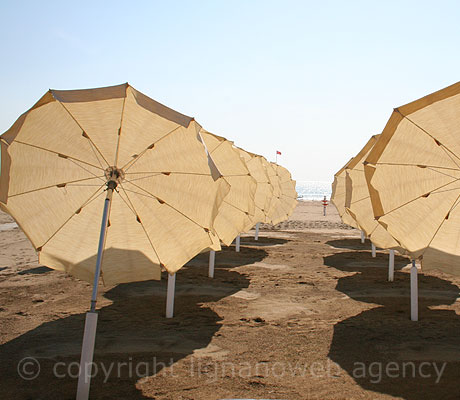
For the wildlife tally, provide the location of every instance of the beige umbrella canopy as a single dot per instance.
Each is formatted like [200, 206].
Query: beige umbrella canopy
[338, 196]
[413, 174]
[286, 200]
[238, 208]
[274, 216]
[162, 192]
[58, 158]
[264, 190]
[288, 192]
[358, 202]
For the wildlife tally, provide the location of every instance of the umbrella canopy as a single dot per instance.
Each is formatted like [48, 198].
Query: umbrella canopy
[288, 192]
[237, 209]
[413, 174]
[358, 201]
[338, 196]
[59, 156]
[264, 190]
[273, 213]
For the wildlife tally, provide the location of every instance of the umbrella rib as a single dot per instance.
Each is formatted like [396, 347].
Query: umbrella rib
[235, 175]
[95, 155]
[418, 197]
[361, 199]
[444, 191]
[129, 205]
[431, 136]
[87, 170]
[215, 148]
[51, 186]
[456, 202]
[232, 205]
[58, 154]
[138, 193]
[142, 224]
[172, 172]
[442, 173]
[145, 177]
[119, 131]
[416, 165]
[91, 199]
[90, 140]
[129, 164]
[169, 205]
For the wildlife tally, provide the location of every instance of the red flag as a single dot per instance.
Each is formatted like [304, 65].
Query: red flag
[278, 152]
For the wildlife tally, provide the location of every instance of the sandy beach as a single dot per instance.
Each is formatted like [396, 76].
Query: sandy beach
[305, 312]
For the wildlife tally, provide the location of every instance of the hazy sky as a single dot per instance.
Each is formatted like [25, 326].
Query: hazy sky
[312, 79]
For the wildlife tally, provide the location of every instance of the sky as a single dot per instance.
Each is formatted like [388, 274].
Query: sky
[312, 79]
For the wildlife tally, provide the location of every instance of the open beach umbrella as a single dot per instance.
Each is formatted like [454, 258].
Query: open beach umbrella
[274, 215]
[264, 190]
[288, 196]
[414, 178]
[413, 173]
[358, 204]
[338, 196]
[81, 156]
[238, 207]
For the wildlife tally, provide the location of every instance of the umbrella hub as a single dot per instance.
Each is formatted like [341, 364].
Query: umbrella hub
[114, 174]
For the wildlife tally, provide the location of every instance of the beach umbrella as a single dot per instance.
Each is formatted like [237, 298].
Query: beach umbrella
[413, 173]
[238, 208]
[273, 213]
[358, 205]
[288, 191]
[286, 196]
[81, 156]
[338, 197]
[264, 190]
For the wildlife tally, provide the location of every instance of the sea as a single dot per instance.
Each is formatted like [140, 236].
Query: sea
[313, 190]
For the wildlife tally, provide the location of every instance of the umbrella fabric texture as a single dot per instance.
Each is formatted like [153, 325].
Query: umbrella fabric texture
[413, 173]
[264, 190]
[58, 157]
[338, 196]
[358, 202]
[238, 208]
[288, 192]
[274, 209]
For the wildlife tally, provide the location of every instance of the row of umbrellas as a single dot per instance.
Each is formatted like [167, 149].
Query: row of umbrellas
[164, 188]
[402, 190]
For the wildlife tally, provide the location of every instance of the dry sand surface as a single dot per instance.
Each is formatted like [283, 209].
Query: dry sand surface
[303, 313]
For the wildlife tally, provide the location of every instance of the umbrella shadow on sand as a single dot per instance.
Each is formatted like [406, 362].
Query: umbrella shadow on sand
[134, 340]
[381, 348]
[263, 241]
[351, 244]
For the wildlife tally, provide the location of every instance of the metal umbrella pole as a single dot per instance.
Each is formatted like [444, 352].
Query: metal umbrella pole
[89, 336]
[212, 259]
[413, 292]
[391, 266]
[256, 236]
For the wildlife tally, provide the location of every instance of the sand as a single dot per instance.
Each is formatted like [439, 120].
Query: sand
[304, 313]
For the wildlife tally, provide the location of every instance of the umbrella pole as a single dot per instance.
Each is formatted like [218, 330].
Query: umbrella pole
[256, 236]
[237, 243]
[373, 250]
[89, 335]
[391, 266]
[212, 259]
[170, 295]
[413, 292]
[362, 237]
